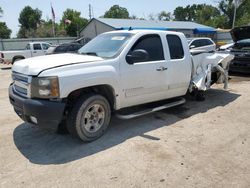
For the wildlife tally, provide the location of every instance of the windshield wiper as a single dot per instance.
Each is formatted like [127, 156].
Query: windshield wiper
[89, 53]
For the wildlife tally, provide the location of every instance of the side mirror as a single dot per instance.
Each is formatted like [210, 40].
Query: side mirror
[192, 46]
[137, 56]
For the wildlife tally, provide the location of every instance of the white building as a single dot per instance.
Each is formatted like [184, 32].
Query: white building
[97, 26]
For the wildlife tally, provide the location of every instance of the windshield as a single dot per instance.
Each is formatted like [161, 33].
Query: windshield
[106, 45]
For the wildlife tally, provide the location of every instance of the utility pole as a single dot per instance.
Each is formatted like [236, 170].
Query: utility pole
[90, 12]
[235, 9]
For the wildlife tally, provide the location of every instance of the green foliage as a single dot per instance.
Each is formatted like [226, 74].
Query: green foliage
[4, 31]
[30, 18]
[164, 16]
[43, 30]
[117, 12]
[133, 17]
[77, 22]
[221, 17]
[242, 14]
[201, 13]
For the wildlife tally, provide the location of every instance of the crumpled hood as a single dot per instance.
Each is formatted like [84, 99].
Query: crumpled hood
[240, 33]
[33, 66]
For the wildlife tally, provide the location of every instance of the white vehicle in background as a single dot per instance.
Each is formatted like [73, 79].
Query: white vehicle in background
[203, 43]
[32, 49]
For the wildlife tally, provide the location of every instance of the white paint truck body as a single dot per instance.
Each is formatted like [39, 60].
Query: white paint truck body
[114, 71]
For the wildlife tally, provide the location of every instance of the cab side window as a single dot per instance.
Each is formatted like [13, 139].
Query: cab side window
[45, 46]
[175, 47]
[152, 45]
[197, 43]
[208, 42]
[37, 47]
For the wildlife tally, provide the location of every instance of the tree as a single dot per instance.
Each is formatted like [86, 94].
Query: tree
[187, 13]
[117, 12]
[4, 31]
[152, 17]
[29, 19]
[209, 15]
[43, 30]
[201, 13]
[133, 17]
[72, 22]
[242, 15]
[164, 16]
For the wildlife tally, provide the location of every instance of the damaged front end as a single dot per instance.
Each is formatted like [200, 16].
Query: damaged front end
[209, 68]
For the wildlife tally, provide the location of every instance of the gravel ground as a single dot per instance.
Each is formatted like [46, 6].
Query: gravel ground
[199, 144]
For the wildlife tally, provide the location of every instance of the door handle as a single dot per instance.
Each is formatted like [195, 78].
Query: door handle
[162, 69]
[34, 52]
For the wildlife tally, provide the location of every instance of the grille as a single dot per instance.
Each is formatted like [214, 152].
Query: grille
[21, 84]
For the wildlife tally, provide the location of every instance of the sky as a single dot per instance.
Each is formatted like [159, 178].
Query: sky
[140, 8]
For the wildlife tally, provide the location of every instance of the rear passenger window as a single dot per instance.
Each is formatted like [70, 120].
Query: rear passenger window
[152, 44]
[37, 47]
[175, 47]
[197, 43]
[208, 42]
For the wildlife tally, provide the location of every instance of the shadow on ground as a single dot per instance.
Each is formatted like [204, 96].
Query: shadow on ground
[42, 147]
[5, 68]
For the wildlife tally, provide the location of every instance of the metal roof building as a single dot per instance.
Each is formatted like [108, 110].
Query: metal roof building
[97, 26]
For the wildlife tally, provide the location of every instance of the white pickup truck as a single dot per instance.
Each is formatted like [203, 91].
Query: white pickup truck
[114, 71]
[32, 49]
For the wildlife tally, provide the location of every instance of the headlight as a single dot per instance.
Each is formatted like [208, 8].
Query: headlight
[45, 87]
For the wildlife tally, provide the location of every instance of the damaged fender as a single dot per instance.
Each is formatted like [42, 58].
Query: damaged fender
[204, 64]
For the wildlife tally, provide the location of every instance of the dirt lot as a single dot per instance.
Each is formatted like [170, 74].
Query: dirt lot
[200, 144]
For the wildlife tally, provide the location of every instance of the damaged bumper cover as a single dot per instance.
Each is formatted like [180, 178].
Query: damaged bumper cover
[204, 65]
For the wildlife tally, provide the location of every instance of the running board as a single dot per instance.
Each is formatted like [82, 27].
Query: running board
[151, 110]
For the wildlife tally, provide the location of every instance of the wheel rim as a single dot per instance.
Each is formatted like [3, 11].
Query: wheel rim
[93, 119]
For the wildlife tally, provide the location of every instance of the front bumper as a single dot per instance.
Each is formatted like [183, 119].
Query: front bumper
[47, 113]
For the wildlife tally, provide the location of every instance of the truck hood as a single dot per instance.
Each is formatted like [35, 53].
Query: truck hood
[33, 66]
[240, 33]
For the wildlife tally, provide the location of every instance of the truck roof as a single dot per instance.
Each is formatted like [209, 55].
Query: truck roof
[146, 31]
[38, 42]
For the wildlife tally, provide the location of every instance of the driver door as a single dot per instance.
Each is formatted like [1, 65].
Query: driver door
[145, 81]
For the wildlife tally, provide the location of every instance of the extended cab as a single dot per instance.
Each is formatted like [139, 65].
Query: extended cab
[32, 49]
[114, 71]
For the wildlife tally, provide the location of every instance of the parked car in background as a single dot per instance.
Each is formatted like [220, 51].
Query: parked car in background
[32, 49]
[51, 49]
[240, 49]
[226, 47]
[203, 43]
[65, 48]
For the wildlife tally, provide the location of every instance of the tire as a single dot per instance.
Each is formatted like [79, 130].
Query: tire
[89, 118]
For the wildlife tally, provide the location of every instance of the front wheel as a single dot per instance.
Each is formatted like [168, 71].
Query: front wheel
[89, 118]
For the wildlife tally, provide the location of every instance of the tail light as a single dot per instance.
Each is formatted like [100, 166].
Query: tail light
[2, 55]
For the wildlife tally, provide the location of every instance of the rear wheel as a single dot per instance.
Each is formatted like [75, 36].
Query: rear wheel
[89, 118]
